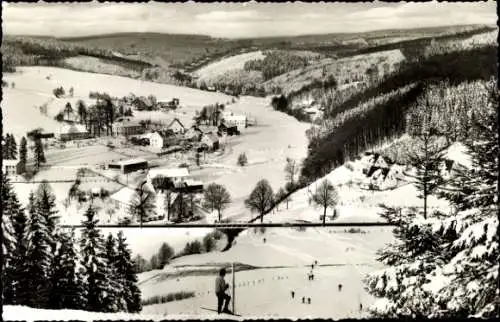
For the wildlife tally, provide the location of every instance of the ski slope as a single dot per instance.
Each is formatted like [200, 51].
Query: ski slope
[281, 264]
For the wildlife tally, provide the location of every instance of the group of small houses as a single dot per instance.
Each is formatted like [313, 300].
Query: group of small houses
[161, 137]
[381, 173]
[179, 184]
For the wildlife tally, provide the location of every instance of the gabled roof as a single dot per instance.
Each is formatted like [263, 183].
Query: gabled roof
[124, 195]
[73, 128]
[175, 120]
[208, 129]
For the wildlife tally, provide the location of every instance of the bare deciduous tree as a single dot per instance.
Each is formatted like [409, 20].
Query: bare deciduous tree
[261, 198]
[216, 197]
[325, 196]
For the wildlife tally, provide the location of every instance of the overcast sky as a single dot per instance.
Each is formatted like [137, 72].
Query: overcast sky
[236, 20]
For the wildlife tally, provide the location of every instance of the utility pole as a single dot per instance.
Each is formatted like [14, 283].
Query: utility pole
[234, 287]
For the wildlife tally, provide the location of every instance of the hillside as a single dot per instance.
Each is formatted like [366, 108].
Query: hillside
[220, 67]
[282, 264]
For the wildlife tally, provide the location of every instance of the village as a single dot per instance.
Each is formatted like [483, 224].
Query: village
[126, 155]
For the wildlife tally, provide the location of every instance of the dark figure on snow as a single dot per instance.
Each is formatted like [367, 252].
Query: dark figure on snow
[221, 286]
[308, 300]
[293, 294]
[264, 240]
[360, 307]
[303, 299]
[340, 287]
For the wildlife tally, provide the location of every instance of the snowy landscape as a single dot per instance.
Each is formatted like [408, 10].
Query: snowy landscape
[379, 146]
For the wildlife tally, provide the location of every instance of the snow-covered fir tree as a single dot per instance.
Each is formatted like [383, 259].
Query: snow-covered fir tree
[447, 266]
[10, 207]
[116, 287]
[470, 279]
[67, 290]
[127, 276]
[94, 265]
[46, 203]
[18, 276]
[38, 260]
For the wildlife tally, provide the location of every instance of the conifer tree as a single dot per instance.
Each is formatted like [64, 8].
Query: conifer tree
[447, 266]
[47, 206]
[116, 288]
[23, 155]
[128, 278]
[66, 290]
[39, 153]
[472, 272]
[12, 148]
[94, 265]
[5, 146]
[37, 267]
[8, 248]
[12, 250]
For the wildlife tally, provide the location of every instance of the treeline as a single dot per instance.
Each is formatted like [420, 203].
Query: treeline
[414, 49]
[456, 67]
[166, 253]
[276, 63]
[49, 268]
[29, 51]
[355, 135]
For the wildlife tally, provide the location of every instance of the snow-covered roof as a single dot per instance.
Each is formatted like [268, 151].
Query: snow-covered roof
[168, 172]
[131, 161]
[459, 153]
[124, 195]
[9, 162]
[235, 117]
[73, 128]
[191, 182]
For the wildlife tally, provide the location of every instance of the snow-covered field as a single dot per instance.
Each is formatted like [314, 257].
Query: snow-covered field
[32, 89]
[267, 145]
[231, 63]
[282, 263]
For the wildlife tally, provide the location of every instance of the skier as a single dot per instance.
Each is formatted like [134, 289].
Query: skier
[340, 287]
[303, 299]
[308, 300]
[220, 291]
[293, 294]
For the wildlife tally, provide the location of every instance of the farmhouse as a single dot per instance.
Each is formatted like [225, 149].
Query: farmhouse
[127, 128]
[163, 139]
[130, 165]
[176, 126]
[193, 134]
[73, 132]
[211, 140]
[240, 121]
[189, 186]
[9, 167]
[124, 199]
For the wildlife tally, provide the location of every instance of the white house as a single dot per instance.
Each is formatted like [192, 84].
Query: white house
[124, 199]
[9, 167]
[240, 121]
[157, 140]
[176, 126]
[73, 132]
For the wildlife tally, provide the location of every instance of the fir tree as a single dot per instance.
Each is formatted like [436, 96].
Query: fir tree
[39, 153]
[67, 290]
[12, 148]
[8, 251]
[12, 241]
[128, 278]
[116, 288]
[37, 267]
[94, 265]
[472, 272]
[447, 266]
[5, 146]
[23, 155]
[47, 206]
